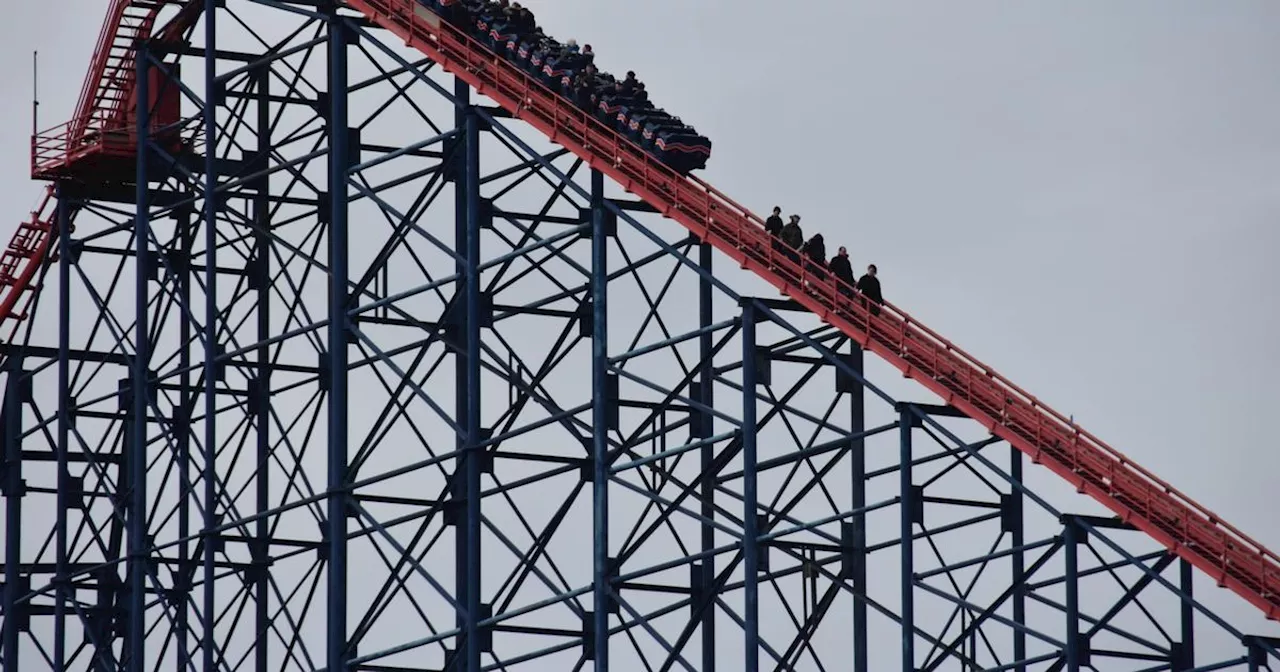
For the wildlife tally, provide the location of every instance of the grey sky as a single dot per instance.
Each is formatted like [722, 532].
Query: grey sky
[1079, 195]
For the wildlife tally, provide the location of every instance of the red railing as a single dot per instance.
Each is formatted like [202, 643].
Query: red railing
[1136, 495]
[21, 260]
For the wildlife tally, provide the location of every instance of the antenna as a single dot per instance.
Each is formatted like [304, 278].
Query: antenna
[35, 93]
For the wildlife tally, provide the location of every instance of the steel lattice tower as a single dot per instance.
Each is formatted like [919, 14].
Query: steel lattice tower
[353, 371]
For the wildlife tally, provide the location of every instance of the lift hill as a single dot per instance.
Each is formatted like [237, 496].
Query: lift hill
[98, 146]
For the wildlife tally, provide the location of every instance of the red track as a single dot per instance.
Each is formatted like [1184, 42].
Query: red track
[1134, 494]
[98, 139]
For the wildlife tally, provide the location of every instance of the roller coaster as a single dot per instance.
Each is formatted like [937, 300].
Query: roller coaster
[227, 435]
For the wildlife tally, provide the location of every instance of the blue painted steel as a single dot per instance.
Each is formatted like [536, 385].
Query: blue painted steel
[261, 384]
[858, 497]
[601, 593]
[706, 380]
[750, 497]
[1071, 541]
[212, 319]
[139, 385]
[1018, 565]
[64, 429]
[336, 509]
[474, 452]
[682, 495]
[13, 493]
[906, 511]
[1186, 575]
[461, 484]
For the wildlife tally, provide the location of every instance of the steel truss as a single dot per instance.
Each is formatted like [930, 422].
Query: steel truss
[553, 434]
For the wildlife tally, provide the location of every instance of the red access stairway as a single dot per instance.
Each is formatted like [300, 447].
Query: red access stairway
[1134, 494]
[97, 145]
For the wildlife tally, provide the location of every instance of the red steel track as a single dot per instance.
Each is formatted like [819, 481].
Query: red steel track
[101, 128]
[1135, 495]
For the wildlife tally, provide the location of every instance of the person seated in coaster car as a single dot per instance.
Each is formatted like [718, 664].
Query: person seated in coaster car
[453, 11]
[556, 66]
[490, 13]
[582, 89]
[546, 48]
[523, 19]
[614, 107]
[637, 115]
[530, 44]
[503, 37]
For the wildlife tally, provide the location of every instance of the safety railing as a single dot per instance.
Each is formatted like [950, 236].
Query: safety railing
[1134, 493]
[21, 260]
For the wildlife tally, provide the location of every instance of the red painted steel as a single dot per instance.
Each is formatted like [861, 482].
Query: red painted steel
[22, 259]
[1136, 495]
[98, 144]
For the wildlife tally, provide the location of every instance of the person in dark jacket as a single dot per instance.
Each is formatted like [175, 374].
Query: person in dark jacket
[793, 238]
[843, 270]
[628, 86]
[815, 252]
[773, 227]
[869, 285]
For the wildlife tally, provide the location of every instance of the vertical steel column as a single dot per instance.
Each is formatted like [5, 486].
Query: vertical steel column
[182, 437]
[1186, 579]
[706, 378]
[13, 492]
[474, 451]
[208, 644]
[138, 386]
[1019, 560]
[61, 579]
[600, 421]
[262, 271]
[339, 163]
[750, 505]
[858, 462]
[1071, 538]
[906, 423]
[462, 226]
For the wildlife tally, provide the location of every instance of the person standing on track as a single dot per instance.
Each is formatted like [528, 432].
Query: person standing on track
[773, 227]
[843, 270]
[792, 239]
[869, 285]
[816, 251]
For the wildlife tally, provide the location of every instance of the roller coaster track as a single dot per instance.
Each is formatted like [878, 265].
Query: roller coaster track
[1134, 494]
[102, 114]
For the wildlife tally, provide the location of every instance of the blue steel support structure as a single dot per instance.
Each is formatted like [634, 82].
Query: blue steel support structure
[249, 450]
[340, 161]
[750, 493]
[61, 561]
[212, 337]
[139, 382]
[704, 572]
[14, 489]
[600, 410]
[907, 507]
[854, 535]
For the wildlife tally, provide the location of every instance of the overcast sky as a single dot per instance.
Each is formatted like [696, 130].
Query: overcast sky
[1081, 194]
